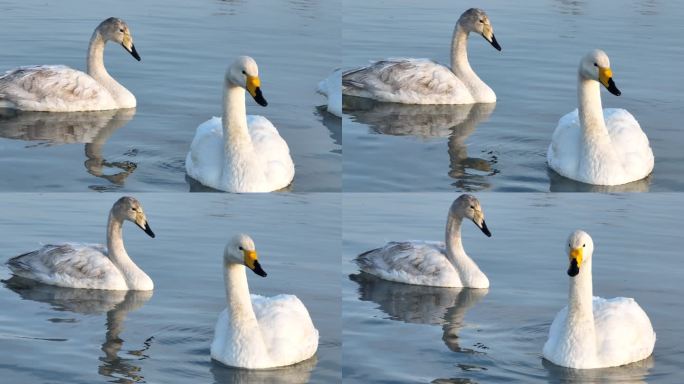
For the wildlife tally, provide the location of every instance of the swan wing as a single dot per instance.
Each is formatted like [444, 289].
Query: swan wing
[205, 160]
[286, 328]
[69, 265]
[623, 330]
[630, 142]
[411, 262]
[409, 81]
[273, 149]
[331, 87]
[54, 88]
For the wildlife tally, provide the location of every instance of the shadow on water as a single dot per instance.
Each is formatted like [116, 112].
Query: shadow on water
[454, 122]
[293, 374]
[419, 304]
[116, 305]
[627, 374]
[90, 128]
[563, 184]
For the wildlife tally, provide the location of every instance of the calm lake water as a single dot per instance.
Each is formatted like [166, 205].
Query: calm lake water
[49, 333]
[502, 147]
[396, 333]
[185, 49]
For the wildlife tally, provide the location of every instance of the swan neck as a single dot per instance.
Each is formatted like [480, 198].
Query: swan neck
[454, 246]
[581, 292]
[235, 115]
[95, 60]
[241, 317]
[459, 52]
[134, 276]
[580, 326]
[590, 109]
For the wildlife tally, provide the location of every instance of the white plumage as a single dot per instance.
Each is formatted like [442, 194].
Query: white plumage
[592, 332]
[423, 81]
[57, 88]
[599, 146]
[257, 332]
[432, 263]
[240, 153]
[331, 88]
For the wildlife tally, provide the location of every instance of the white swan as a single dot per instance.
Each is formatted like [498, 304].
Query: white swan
[595, 145]
[259, 332]
[240, 153]
[331, 88]
[92, 266]
[423, 81]
[592, 332]
[432, 263]
[57, 88]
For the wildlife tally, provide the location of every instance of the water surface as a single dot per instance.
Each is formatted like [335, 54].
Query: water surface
[185, 49]
[397, 333]
[535, 79]
[90, 336]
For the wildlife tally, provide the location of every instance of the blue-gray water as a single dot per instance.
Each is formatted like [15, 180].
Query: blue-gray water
[396, 333]
[185, 49]
[49, 334]
[503, 147]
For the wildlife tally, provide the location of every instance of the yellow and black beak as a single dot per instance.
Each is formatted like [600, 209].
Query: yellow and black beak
[146, 228]
[493, 42]
[254, 89]
[606, 78]
[483, 228]
[252, 263]
[575, 257]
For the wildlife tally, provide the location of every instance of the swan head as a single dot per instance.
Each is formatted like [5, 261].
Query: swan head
[580, 247]
[241, 250]
[116, 30]
[595, 65]
[469, 207]
[244, 73]
[476, 20]
[129, 208]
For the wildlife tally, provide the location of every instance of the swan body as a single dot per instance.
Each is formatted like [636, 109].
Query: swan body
[240, 153]
[90, 266]
[432, 263]
[423, 81]
[257, 332]
[57, 88]
[592, 332]
[599, 146]
[331, 88]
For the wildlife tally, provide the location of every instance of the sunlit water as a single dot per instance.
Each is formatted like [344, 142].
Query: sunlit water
[185, 49]
[49, 334]
[390, 148]
[397, 333]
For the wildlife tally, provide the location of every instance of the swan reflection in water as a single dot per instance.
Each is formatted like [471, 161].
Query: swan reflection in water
[455, 122]
[90, 128]
[420, 304]
[559, 183]
[292, 374]
[116, 305]
[634, 373]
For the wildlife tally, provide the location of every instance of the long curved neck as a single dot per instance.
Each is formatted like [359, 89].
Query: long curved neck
[118, 255]
[590, 109]
[464, 265]
[95, 61]
[235, 131]
[241, 318]
[460, 65]
[580, 327]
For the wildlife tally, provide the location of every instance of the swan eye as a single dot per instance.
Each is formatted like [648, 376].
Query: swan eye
[121, 30]
[244, 73]
[595, 65]
[472, 207]
[240, 248]
[133, 209]
[584, 245]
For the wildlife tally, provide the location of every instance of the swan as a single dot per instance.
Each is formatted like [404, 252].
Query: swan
[331, 88]
[91, 266]
[240, 153]
[592, 332]
[423, 81]
[257, 332]
[432, 263]
[57, 88]
[594, 145]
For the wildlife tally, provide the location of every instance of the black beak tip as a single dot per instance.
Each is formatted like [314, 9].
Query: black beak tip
[495, 44]
[574, 269]
[258, 270]
[612, 88]
[485, 230]
[133, 52]
[148, 230]
[259, 98]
